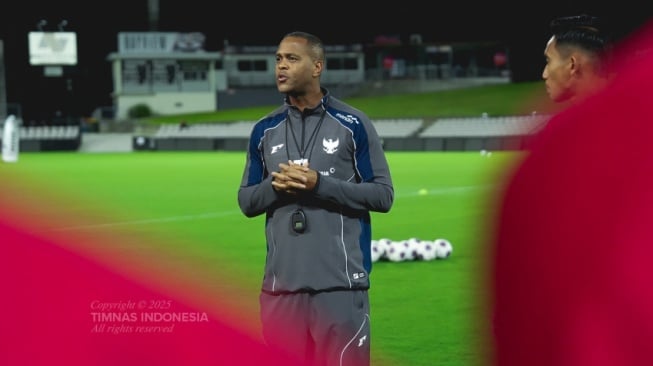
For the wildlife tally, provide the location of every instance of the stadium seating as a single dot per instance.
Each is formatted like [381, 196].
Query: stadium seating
[485, 126]
[206, 130]
[385, 128]
[47, 138]
[398, 127]
[416, 134]
[481, 133]
[469, 133]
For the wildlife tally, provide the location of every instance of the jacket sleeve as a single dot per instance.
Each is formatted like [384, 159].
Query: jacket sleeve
[256, 193]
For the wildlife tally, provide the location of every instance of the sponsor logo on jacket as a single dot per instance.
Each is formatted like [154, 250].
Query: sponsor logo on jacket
[348, 118]
[276, 148]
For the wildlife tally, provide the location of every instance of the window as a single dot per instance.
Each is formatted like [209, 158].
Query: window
[194, 70]
[136, 75]
[252, 65]
[342, 63]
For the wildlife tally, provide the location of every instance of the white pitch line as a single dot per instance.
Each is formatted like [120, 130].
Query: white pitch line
[209, 215]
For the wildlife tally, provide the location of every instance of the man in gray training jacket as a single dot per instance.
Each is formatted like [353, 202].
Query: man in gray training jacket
[316, 167]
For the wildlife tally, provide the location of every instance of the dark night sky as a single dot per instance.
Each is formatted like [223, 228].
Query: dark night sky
[523, 27]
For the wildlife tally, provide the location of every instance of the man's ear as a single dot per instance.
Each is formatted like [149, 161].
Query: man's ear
[575, 64]
[318, 66]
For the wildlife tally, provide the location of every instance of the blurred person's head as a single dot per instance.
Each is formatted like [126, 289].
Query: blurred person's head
[577, 57]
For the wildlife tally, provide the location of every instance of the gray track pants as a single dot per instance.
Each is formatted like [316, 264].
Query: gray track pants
[319, 329]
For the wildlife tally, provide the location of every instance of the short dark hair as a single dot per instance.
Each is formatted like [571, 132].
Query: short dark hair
[314, 42]
[587, 32]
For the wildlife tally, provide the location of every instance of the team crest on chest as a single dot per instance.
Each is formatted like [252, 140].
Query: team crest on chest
[329, 146]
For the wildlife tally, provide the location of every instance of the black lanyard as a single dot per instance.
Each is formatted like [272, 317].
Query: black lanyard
[302, 149]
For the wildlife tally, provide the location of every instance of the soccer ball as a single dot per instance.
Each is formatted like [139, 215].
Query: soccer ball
[377, 250]
[397, 251]
[426, 250]
[443, 248]
[413, 245]
[380, 249]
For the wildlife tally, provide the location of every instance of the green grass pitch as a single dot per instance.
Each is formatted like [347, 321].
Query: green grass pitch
[423, 313]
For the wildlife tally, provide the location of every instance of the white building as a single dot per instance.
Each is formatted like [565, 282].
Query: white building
[168, 72]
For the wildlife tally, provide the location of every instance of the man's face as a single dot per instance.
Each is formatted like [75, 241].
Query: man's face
[296, 68]
[557, 73]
